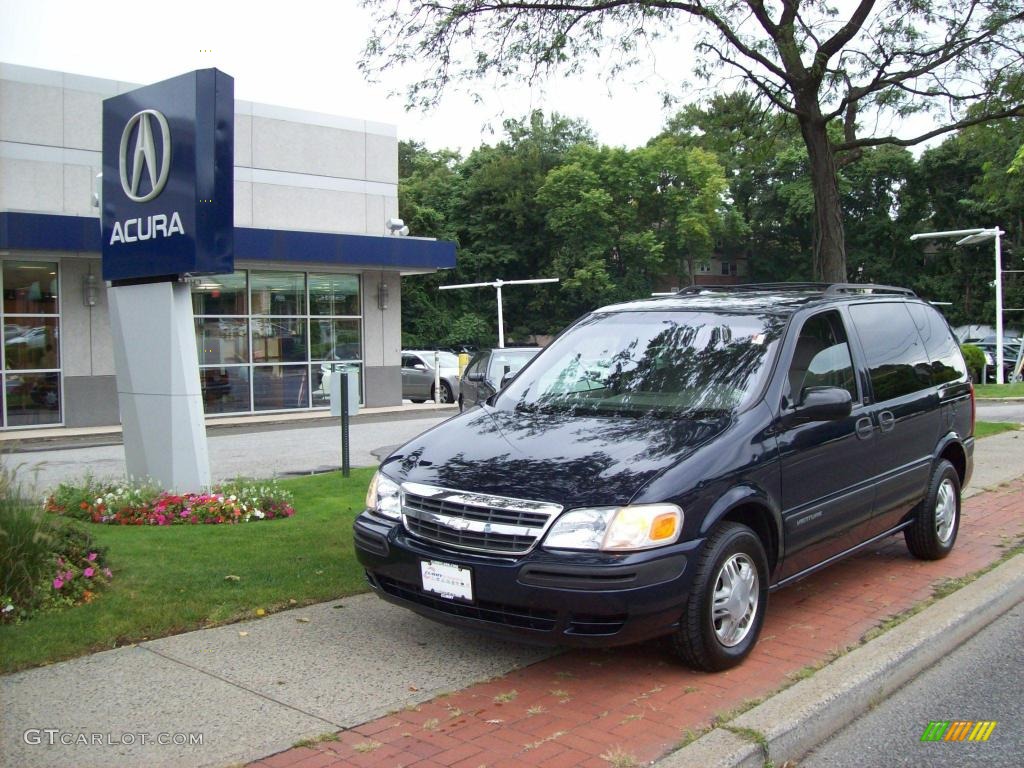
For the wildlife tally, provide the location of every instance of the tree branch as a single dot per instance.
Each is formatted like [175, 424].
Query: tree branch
[846, 146]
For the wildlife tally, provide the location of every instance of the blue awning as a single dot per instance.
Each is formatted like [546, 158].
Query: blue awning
[53, 232]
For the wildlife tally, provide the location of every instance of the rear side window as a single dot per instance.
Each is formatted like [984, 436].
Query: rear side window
[943, 351]
[897, 361]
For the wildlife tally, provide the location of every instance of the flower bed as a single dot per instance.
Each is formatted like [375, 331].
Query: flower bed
[241, 501]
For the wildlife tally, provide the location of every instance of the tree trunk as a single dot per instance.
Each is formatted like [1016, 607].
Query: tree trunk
[829, 242]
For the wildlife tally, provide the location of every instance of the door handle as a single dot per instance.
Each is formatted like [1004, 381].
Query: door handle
[886, 421]
[864, 427]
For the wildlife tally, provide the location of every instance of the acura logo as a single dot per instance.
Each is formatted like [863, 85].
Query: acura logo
[144, 155]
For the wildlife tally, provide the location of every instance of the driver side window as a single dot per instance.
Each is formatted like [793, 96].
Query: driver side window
[821, 358]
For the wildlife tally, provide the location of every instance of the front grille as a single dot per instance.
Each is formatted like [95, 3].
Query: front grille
[496, 613]
[473, 521]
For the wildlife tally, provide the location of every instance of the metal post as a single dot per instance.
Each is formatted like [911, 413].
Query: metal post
[437, 377]
[999, 308]
[501, 319]
[344, 420]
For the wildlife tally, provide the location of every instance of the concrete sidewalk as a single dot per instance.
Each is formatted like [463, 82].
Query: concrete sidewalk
[255, 688]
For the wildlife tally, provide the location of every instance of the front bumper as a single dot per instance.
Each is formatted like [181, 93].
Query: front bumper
[551, 598]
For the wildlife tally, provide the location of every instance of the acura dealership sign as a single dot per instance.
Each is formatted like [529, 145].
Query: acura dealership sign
[168, 187]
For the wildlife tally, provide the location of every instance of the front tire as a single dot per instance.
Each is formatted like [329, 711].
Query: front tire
[727, 602]
[937, 518]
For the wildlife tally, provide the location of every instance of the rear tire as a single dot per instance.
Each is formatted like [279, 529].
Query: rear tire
[446, 393]
[727, 602]
[937, 518]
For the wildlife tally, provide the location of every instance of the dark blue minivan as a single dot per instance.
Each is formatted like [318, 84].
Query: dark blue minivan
[664, 464]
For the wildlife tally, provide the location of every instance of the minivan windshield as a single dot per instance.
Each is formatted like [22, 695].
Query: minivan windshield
[662, 363]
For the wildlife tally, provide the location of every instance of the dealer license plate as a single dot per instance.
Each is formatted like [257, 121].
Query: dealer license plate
[447, 580]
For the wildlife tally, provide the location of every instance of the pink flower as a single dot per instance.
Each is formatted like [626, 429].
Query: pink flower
[57, 583]
[108, 573]
[88, 572]
[92, 557]
[68, 575]
[185, 512]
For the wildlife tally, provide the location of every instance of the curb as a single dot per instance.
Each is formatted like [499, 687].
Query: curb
[791, 723]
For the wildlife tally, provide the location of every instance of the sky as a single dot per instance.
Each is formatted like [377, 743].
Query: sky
[304, 53]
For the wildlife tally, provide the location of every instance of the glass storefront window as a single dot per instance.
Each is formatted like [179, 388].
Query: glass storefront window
[225, 389]
[220, 295]
[333, 295]
[266, 344]
[278, 293]
[222, 340]
[36, 346]
[32, 398]
[30, 288]
[277, 387]
[278, 340]
[332, 339]
[31, 350]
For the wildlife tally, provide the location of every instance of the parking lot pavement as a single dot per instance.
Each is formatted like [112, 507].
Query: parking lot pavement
[637, 703]
[239, 451]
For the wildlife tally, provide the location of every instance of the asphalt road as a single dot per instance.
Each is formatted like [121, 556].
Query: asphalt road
[1013, 411]
[981, 680]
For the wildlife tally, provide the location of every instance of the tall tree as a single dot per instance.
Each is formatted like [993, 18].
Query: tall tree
[821, 62]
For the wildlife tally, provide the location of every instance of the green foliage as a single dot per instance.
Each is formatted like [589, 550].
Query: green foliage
[975, 360]
[27, 541]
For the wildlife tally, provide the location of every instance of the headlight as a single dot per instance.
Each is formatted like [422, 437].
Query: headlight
[616, 529]
[384, 497]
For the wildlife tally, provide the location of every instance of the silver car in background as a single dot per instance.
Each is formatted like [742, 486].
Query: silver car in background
[418, 375]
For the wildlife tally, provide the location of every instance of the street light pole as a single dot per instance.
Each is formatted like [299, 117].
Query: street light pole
[973, 237]
[497, 284]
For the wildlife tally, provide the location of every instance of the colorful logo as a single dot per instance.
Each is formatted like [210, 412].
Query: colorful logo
[958, 730]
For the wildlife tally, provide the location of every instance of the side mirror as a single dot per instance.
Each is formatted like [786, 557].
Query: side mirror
[509, 375]
[475, 376]
[420, 367]
[823, 404]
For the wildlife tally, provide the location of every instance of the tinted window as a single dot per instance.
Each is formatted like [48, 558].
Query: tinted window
[943, 351]
[896, 358]
[664, 363]
[508, 361]
[476, 364]
[821, 357]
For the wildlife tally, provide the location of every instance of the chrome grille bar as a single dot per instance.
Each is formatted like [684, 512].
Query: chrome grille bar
[475, 521]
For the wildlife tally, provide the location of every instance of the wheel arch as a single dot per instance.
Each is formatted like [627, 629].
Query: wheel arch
[753, 508]
[952, 450]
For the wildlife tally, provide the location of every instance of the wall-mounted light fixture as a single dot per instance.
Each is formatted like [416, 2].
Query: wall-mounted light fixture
[397, 228]
[382, 294]
[90, 290]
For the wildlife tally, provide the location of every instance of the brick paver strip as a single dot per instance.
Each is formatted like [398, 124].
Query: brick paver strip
[638, 702]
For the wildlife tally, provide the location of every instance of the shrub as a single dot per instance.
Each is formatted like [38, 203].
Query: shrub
[975, 359]
[26, 552]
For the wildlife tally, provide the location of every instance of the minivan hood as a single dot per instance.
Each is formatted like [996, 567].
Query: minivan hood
[570, 460]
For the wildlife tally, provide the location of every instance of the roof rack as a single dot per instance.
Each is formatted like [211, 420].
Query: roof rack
[826, 289]
[836, 289]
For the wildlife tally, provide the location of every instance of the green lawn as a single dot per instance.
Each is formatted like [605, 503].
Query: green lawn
[989, 428]
[170, 580]
[999, 390]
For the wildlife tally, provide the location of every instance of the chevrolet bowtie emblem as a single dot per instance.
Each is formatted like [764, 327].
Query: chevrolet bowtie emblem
[145, 155]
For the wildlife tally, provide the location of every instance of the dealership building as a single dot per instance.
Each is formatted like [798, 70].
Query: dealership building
[317, 277]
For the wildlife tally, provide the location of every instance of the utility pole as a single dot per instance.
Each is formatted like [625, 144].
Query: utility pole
[497, 284]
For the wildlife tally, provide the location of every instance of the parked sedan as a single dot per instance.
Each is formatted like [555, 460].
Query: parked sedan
[489, 369]
[1011, 348]
[418, 376]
